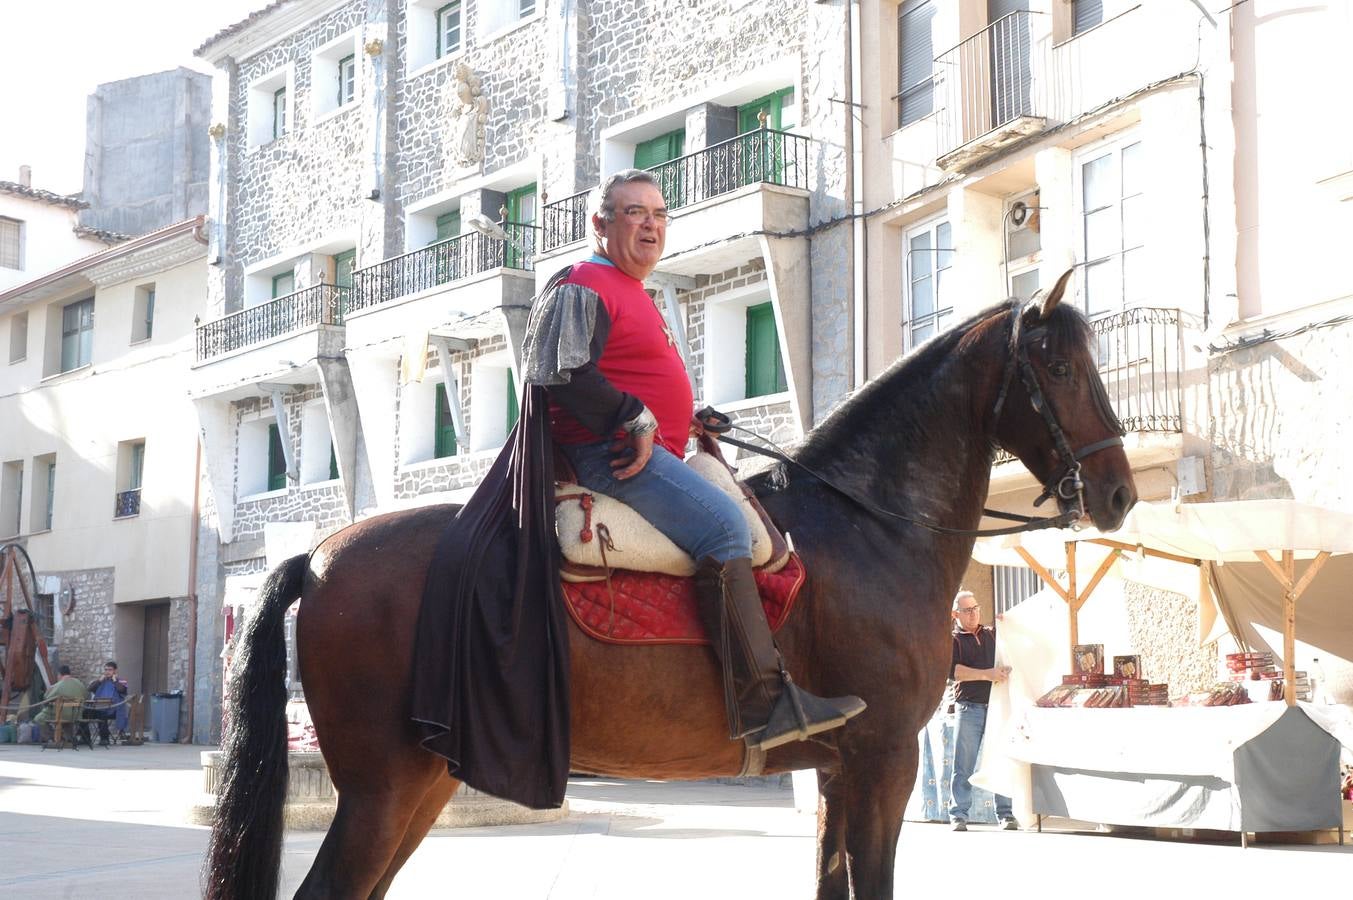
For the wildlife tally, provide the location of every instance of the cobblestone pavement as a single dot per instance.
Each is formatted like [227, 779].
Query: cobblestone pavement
[111, 824]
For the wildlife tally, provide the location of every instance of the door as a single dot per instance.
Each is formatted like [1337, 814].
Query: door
[762, 152]
[521, 210]
[155, 649]
[1009, 59]
[344, 263]
[651, 155]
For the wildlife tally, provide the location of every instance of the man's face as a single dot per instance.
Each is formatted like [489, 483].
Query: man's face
[967, 613]
[635, 238]
[110, 672]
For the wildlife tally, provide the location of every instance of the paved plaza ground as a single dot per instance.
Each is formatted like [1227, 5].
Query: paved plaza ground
[111, 824]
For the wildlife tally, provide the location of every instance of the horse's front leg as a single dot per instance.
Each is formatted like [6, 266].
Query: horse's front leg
[833, 876]
[873, 809]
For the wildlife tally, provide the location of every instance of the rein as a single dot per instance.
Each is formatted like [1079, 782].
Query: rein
[1065, 486]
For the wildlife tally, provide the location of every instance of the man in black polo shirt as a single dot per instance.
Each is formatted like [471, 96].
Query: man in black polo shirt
[973, 670]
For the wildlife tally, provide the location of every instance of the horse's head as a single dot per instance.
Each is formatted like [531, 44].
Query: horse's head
[1054, 414]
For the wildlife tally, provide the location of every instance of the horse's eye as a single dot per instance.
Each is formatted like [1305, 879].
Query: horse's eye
[1059, 368]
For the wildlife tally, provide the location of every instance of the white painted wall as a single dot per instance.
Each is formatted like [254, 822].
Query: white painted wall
[129, 392]
[47, 239]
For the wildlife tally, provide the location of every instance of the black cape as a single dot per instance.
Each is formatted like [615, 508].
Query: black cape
[491, 661]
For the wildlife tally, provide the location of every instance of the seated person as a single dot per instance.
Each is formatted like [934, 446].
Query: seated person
[67, 687]
[112, 688]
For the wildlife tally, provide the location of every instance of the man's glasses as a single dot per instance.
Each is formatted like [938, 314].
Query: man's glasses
[639, 214]
[964, 610]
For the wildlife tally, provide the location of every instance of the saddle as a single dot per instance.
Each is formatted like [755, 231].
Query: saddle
[625, 582]
[598, 534]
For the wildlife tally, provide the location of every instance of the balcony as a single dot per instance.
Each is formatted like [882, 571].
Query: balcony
[1141, 360]
[764, 156]
[127, 503]
[321, 304]
[1009, 80]
[456, 259]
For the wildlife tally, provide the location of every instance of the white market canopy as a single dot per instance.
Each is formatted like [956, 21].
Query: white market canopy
[1272, 534]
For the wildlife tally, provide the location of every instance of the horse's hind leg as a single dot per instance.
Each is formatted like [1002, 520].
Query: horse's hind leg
[433, 801]
[370, 826]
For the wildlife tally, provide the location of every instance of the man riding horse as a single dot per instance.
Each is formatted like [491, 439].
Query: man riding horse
[620, 411]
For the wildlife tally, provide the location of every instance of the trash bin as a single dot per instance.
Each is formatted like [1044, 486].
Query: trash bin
[164, 716]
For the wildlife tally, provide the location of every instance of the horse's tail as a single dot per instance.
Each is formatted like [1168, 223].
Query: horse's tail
[244, 854]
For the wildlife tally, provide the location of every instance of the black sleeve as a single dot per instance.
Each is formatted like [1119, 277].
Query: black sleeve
[589, 397]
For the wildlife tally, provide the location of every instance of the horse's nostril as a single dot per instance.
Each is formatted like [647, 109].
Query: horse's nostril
[1122, 500]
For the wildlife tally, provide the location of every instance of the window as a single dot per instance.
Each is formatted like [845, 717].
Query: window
[417, 429]
[1112, 209]
[448, 226]
[915, 61]
[521, 209]
[44, 493]
[660, 149]
[11, 497]
[347, 79]
[269, 107]
[492, 395]
[525, 8]
[501, 16]
[765, 367]
[283, 284]
[1023, 244]
[1086, 14]
[448, 29]
[444, 426]
[18, 337]
[131, 457]
[780, 108]
[10, 258]
[318, 460]
[77, 334]
[277, 460]
[929, 254]
[334, 72]
[279, 113]
[1013, 585]
[143, 313]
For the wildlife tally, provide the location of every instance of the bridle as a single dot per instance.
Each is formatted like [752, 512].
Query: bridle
[1065, 484]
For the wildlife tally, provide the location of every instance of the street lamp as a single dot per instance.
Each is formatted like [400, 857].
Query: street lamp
[489, 228]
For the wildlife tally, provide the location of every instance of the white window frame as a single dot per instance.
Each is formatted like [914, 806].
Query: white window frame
[1111, 148]
[725, 384]
[143, 313]
[498, 19]
[13, 259]
[328, 97]
[317, 443]
[417, 423]
[489, 376]
[424, 27]
[261, 107]
[252, 449]
[940, 315]
[80, 360]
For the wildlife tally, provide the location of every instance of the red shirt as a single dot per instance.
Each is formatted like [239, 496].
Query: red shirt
[639, 359]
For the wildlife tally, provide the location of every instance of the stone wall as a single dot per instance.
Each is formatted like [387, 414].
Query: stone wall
[1163, 628]
[180, 647]
[86, 638]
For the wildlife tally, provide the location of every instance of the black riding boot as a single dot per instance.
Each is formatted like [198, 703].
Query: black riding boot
[764, 705]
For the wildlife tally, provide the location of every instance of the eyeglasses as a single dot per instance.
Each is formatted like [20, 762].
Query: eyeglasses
[639, 215]
[964, 610]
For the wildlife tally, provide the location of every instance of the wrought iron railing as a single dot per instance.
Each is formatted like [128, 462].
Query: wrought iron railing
[128, 503]
[441, 263]
[987, 81]
[761, 156]
[321, 304]
[564, 221]
[1141, 360]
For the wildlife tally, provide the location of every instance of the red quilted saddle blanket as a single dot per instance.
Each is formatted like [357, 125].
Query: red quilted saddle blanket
[650, 608]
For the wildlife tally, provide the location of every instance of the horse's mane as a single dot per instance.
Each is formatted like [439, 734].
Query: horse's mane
[919, 377]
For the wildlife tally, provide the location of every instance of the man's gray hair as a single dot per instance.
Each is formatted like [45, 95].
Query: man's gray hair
[603, 204]
[963, 592]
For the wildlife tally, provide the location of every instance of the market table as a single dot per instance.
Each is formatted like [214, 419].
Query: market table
[1250, 768]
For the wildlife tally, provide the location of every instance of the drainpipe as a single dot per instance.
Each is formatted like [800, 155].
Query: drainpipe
[193, 531]
[854, 139]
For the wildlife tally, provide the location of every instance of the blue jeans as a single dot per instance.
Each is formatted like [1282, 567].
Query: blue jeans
[970, 721]
[697, 516]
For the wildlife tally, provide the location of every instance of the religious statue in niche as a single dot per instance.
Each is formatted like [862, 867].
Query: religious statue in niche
[465, 137]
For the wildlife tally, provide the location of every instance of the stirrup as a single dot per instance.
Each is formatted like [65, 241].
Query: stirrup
[797, 715]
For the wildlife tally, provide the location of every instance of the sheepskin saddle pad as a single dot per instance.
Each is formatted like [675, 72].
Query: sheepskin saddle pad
[599, 534]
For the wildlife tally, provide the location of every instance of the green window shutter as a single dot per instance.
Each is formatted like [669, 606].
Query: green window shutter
[448, 29]
[279, 113]
[333, 464]
[138, 462]
[771, 104]
[765, 368]
[521, 205]
[277, 460]
[283, 284]
[344, 263]
[444, 440]
[661, 149]
[448, 225]
[512, 411]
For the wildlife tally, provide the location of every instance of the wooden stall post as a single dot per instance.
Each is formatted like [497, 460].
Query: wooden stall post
[1286, 576]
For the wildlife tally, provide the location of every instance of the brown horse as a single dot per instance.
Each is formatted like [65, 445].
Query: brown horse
[917, 441]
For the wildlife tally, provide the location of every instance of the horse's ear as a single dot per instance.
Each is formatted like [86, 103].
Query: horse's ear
[1054, 296]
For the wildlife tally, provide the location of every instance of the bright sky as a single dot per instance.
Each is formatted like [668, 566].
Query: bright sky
[57, 52]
